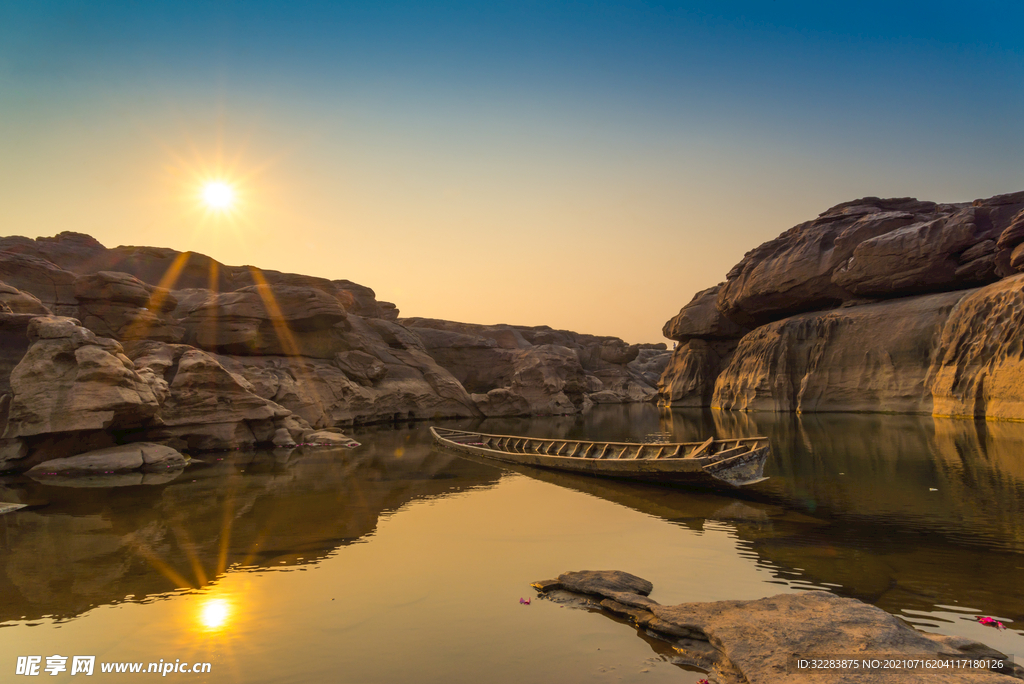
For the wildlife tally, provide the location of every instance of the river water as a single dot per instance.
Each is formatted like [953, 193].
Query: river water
[398, 562]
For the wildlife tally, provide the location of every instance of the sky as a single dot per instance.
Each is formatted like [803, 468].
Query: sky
[584, 165]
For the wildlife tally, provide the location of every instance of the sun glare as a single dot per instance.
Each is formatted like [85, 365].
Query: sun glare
[214, 614]
[218, 195]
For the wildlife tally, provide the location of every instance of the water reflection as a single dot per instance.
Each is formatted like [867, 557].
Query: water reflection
[214, 614]
[921, 517]
[76, 548]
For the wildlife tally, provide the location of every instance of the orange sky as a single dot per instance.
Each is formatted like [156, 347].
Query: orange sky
[583, 171]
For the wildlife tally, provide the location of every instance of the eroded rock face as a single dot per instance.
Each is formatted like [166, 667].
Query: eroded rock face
[13, 345]
[793, 272]
[650, 363]
[513, 370]
[203, 405]
[689, 377]
[875, 357]
[121, 306]
[701, 319]
[81, 254]
[264, 320]
[224, 357]
[13, 300]
[71, 380]
[869, 355]
[980, 371]
[755, 641]
[922, 257]
[52, 285]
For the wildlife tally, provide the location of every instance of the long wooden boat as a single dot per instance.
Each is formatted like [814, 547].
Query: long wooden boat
[738, 462]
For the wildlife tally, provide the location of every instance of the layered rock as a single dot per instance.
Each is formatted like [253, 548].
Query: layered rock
[877, 248]
[52, 285]
[179, 348]
[952, 352]
[71, 380]
[81, 254]
[875, 357]
[121, 306]
[264, 320]
[759, 641]
[13, 300]
[511, 370]
[707, 340]
[980, 372]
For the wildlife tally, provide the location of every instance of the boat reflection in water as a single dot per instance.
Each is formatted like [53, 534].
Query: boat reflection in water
[236, 561]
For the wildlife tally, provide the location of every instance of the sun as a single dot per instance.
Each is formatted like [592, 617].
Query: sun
[218, 195]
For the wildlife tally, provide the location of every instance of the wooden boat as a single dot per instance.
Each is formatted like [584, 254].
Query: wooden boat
[738, 462]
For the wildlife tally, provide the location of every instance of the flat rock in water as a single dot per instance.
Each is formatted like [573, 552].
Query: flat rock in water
[326, 438]
[604, 582]
[114, 459]
[760, 642]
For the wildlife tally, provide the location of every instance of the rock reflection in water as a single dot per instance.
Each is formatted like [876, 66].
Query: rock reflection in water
[910, 513]
[916, 512]
[77, 548]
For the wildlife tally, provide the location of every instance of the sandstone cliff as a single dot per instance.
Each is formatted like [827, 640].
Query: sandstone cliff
[102, 346]
[891, 305]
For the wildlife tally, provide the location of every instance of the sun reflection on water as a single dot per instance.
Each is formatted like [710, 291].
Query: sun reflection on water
[214, 614]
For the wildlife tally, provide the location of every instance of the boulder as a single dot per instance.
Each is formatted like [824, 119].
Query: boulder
[501, 402]
[137, 456]
[203, 405]
[921, 257]
[13, 300]
[701, 319]
[121, 306]
[793, 272]
[325, 438]
[649, 364]
[52, 285]
[762, 640]
[267, 320]
[545, 376]
[71, 380]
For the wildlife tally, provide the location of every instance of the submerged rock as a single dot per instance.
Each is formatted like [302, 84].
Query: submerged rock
[759, 642]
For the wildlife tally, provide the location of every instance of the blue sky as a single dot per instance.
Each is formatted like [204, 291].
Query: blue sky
[647, 144]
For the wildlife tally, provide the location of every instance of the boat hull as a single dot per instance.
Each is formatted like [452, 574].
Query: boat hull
[739, 470]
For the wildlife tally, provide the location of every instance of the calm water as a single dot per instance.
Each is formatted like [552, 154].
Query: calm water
[396, 562]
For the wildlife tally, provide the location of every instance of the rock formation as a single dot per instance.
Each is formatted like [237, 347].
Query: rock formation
[760, 641]
[103, 347]
[889, 305]
[512, 370]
